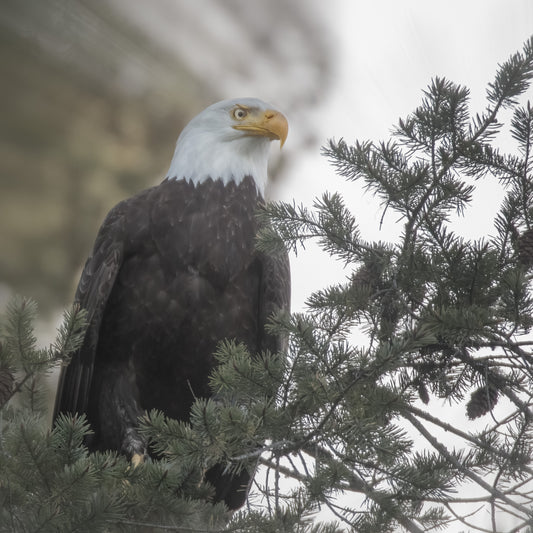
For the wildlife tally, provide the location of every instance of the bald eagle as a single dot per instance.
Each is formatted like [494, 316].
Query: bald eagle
[174, 271]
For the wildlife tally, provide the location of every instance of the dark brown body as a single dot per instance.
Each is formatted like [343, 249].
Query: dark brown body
[174, 271]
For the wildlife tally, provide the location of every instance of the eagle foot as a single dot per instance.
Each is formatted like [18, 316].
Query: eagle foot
[134, 447]
[137, 459]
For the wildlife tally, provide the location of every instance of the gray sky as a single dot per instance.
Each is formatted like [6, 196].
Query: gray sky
[388, 52]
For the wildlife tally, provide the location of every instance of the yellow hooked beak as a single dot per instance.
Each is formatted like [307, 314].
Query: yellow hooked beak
[269, 123]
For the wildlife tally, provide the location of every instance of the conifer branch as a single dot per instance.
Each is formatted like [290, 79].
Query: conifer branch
[467, 437]
[496, 493]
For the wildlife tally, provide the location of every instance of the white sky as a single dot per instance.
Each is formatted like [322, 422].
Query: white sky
[388, 52]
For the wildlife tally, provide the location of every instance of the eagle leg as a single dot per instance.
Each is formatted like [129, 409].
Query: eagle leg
[133, 446]
[119, 414]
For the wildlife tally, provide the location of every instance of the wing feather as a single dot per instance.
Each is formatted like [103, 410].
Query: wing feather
[94, 288]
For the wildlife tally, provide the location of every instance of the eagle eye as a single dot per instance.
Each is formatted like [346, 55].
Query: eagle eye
[239, 113]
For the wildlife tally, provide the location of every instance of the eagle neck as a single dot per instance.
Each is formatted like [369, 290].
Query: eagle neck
[198, 158]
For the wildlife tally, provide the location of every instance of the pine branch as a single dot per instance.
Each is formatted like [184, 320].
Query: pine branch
[290, 226]
[513, 77]
[355, 484]
[464, 294]
[467, 437]
[20, 343]
[496, 493]
[20, 347]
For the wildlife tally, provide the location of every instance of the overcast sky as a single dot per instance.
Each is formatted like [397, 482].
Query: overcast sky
[388, 51]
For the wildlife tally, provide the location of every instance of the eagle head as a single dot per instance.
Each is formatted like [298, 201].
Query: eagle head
[229, 140]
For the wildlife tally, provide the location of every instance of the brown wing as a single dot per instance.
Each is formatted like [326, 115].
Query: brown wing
[93, 291]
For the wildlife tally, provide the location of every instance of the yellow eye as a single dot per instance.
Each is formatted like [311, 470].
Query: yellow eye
[240, 113]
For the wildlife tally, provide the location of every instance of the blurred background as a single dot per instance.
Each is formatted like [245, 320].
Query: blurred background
[94, 93]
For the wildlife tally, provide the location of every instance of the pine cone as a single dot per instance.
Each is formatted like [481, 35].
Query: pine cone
[6, 385]
[482, 400]
[525, 248]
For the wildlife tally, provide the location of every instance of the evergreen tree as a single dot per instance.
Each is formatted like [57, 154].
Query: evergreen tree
[346, 415]
[49, 481]
[444, 317]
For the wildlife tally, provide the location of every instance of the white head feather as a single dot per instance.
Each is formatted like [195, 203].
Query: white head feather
[210, 146]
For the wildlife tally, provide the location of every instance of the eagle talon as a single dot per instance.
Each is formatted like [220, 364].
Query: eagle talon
[137, 459]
